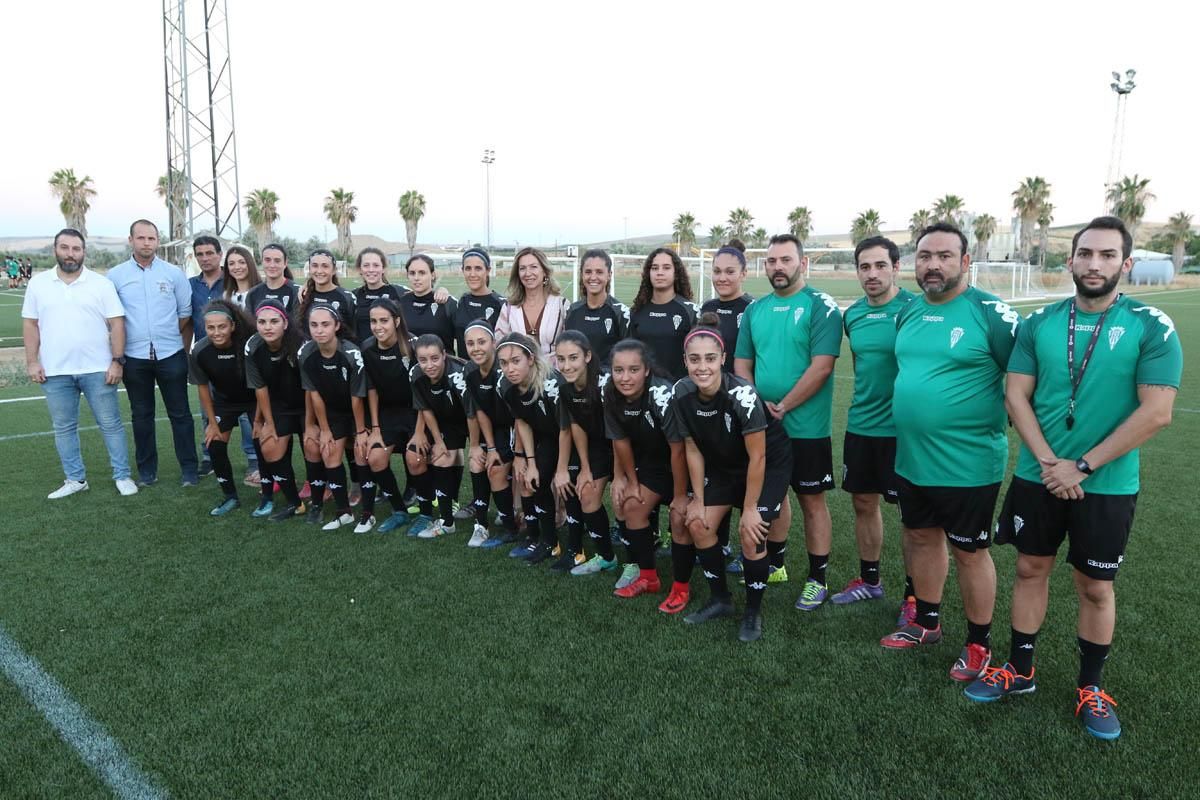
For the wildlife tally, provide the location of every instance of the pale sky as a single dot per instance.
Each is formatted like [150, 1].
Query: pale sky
[616, 110]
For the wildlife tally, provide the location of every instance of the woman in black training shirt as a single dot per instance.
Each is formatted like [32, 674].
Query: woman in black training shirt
[599, 316]
[322, 289]
[434, 452]
[422, 313]
[663, 311]
[479, 301]
[728, 275]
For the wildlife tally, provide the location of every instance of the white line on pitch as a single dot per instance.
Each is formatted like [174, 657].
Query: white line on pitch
[14, 436]
[70, 720]
[36, 397]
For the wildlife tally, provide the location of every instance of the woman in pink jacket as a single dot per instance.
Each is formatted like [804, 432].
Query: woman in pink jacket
[535, 305]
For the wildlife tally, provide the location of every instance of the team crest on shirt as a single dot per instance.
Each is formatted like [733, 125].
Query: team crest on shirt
[608, 325]
[344, 375]
[739, 320]
[1018, 523]
[676, 319]
[728, 423]
[433, 309]
[956, 333]
[542, 407]
[487, 313]
[337, 304]
[796, 315]
[1114, 335]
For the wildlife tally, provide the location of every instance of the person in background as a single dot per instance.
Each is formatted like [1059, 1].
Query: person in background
[277, 281]
[241, 275]
[479, 301]
[206, 287]
[599, 316]
[663, 311]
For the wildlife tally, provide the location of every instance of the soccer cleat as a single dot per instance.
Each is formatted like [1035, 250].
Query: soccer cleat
[264, 509]
[735, 566]
[419, 524]
[911, 635]
[68, 488]
[1095, 711]
[998, 682]
[777, 574]
[640, 585]
[751, 628]
[505, 537]
[714, 608]
[398, 519]
[365, 523]
[287, 512]
[189, 482]
[812, 595]
[677, 599]
[313, 517]
[436, 530]
[524, 549]
[564, 563]
[479, 535]
[539, 553]
[205, 469]
[629, 574]
[595, 564]
[463, 513]
[856, 590]
[908, 612]
[225, 506]
[972, 663]
[338, 521]
[126, 487]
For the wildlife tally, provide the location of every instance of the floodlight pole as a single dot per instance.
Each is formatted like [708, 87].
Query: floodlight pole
[1122, 88]
[489, 158]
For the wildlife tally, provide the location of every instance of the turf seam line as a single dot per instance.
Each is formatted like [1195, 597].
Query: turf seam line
[101, 752]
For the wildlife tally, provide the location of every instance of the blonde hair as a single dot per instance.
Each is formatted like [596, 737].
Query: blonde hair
[516, 289]
[540, 370]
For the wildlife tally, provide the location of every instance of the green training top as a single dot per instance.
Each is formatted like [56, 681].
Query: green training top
[872, 334]
[782, 334]
[949, 393]
[1137, 346]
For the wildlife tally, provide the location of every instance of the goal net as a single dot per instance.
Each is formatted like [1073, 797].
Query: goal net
[1011, 280]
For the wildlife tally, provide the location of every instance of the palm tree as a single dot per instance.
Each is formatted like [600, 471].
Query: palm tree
[341, 211]
[1028, 199]
[949, 209]
[984, 228]
[865, 225]
[684, 229]
[1128, 199]
[176, 203]
[412, 208]
[919, 221]
[74, 197]
[800, 222]
[740, 220]
[262, 211]
[1179, 232]
[717, 235]
[758, 237]
[1045, 217]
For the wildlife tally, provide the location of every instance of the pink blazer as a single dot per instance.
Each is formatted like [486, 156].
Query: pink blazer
[512, 318]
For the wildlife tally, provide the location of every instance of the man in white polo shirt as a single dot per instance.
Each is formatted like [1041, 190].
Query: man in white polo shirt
[74, 330]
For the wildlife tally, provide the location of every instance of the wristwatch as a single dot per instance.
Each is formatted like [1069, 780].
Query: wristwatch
[120, 360]
[1084, 467]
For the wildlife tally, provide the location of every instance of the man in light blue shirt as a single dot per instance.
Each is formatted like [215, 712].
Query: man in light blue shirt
[158, 320]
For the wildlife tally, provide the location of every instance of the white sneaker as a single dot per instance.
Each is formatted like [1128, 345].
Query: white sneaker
[435, 530]
[365, 525]
[126, 487]
[337, 522]
[478, 536]
[68, 488]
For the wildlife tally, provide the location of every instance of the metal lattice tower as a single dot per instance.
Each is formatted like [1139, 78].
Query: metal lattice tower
[202, 177]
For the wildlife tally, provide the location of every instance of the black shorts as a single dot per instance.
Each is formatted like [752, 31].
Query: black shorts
[869, 465]
[288, 423]
[723, 488]
[1096, 527]
[812, 465]
[963, 512]
[503, 438]
[657, 478]
[227, 416]
[600, 460]
[396, 427]
[455, 438]
[340, 425]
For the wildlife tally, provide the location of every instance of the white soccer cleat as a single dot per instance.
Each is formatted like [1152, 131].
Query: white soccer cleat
[337, 522]
[478, 536]
[365, 525]
[69, 488]
[435, 530]
[126, 487]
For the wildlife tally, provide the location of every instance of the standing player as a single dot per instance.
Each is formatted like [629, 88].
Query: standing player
[1081, 425]
[371, 264]
[423, 311]
[786, 348]
[322, 289]
[478, 301]
[952, 349]
[731, 302]
[663, 311]
[276, 281]
[869, 449]
[599, 316]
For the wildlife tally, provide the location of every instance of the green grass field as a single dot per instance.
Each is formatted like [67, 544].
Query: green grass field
[240, 659]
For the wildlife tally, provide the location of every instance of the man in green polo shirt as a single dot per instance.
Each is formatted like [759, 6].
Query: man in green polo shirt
[952, 349]
[787, 345]
[869, 449]
[1092, 378]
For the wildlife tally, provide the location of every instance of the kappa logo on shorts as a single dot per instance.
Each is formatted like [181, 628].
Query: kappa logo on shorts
[827, 479]
[1018, 523]
[956, 333]
[675, 320]
[1106, 564]
[608, 325]
[983, 535]
[1114, 335]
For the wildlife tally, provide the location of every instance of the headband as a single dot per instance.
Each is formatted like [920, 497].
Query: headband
[517, 343]
[268, 307]
[336, 317]
[218, 310]
[478, 252]
[482, 324]
[732, 251]
[705, 332]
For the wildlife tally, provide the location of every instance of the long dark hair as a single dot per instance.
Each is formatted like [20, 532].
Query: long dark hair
[310, 286]
[588, 256]
[292, 340]
[592, 376]
[683, 284]
[230, 284]
[611, 395]
[243, 327]
[402, 334]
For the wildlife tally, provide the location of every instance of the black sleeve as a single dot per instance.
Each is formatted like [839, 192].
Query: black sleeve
[306, 353]
[254, 377]
[358, 372]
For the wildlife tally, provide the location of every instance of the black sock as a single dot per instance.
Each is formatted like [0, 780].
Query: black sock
[817, 566]
[723, 533]
[575, 526]
[385, 480]
[642, 545]
[909, 591]
[712, 561]
[596, 523]
[530, 519]
[445, 490]
[481, 492]
[266, 486]
[869, 572]
[505, 514]
[1091, 662]
[337, 484]
[218, 454]
[631, 555]
[369, 488]
[281, 472]
[777, 553]
[928, 614]
[315, 471]
[543, 509]
[423, 488]
[979, 633]
[1020, 655]
[683, 558]
[756, 572]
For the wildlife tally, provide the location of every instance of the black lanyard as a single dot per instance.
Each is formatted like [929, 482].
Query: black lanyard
[1076, 380]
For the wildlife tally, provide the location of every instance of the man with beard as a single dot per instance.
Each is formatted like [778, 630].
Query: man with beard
[74, 331]
[786, 347]
[1081, 424]
[952, 349]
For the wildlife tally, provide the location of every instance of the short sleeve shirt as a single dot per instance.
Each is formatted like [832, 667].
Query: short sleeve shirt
[336, 378]
[663, 327]
[72, 321]
[276, 372]
[222, 369]
[603, 326]
[871, 331]
[729, 316]
[643, 422]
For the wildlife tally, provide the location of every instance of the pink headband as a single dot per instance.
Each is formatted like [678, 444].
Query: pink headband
[258, 312]
[705, 332]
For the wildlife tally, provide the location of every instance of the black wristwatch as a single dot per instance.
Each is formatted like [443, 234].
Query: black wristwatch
[120, 360]
[1084, 467]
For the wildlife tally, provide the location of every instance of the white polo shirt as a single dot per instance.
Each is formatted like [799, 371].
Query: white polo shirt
[72, 320]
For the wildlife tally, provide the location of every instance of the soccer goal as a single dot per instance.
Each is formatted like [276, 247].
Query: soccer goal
[1013, 280]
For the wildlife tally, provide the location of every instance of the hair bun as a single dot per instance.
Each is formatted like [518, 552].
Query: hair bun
[737, 244]
[708, 319]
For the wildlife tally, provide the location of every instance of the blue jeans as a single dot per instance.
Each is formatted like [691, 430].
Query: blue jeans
[170, 374]
[62, 399]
